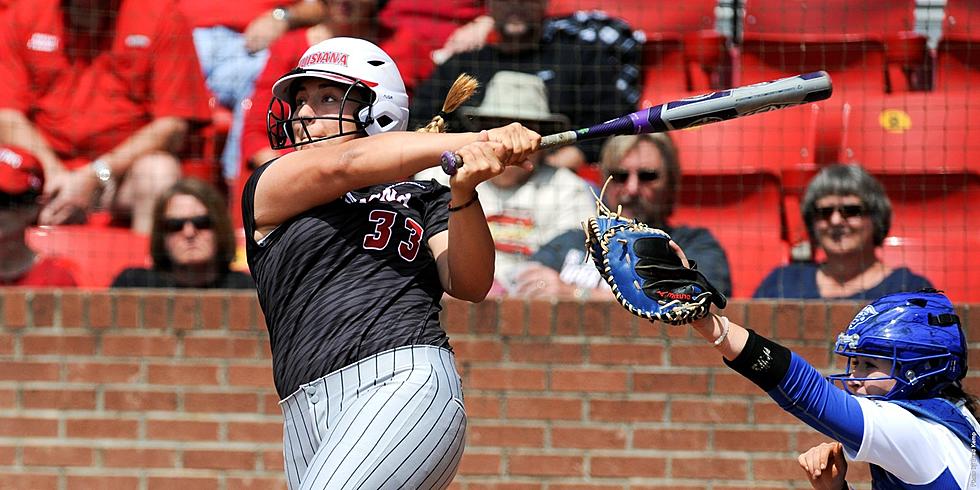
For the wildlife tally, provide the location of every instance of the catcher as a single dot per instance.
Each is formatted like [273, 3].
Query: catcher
[903, 409]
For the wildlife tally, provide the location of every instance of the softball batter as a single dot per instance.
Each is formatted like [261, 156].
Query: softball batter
[351, 262]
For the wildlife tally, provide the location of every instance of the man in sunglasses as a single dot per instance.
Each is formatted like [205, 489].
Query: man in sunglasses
[643, 173]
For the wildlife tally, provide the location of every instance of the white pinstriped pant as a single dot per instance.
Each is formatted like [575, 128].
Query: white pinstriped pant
[392, 420]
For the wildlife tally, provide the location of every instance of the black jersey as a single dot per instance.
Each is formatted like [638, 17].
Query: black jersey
[348, 279]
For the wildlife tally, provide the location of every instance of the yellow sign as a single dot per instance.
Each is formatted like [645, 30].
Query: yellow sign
[895, 120]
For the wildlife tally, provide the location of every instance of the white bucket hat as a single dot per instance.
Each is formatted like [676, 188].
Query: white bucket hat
[514, 96]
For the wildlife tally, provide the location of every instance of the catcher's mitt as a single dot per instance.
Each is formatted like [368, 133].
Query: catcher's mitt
[646, 275]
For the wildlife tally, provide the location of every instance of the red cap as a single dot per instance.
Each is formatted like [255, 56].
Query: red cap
[20, 172]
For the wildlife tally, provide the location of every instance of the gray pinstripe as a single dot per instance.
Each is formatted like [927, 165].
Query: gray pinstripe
[392, 420]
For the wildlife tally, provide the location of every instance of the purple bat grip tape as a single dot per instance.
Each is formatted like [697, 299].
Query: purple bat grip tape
[451, 162]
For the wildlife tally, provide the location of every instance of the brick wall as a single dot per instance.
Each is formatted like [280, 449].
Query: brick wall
[158, 390]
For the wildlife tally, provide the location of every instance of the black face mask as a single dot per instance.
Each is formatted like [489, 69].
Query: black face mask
[280, 117]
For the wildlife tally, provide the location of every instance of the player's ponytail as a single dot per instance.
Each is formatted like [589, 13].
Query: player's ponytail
[463, 88]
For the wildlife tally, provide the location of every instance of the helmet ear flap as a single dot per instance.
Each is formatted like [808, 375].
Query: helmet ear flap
[383, 116]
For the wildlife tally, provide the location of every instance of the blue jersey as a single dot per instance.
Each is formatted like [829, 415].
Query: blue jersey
[905, 450]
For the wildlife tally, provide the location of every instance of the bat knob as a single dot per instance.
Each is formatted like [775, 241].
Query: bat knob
[451, 162]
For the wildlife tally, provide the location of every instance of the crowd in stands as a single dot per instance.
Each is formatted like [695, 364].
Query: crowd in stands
[107, 104]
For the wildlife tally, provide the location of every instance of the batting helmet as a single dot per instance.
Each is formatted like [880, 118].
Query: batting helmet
[919, 333]
[364, 68]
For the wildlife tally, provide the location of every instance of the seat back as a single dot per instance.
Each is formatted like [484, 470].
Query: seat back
[847, 39]
[931, 231]
[101, 252]
[958, 52]
[920, 133]
[743, 212]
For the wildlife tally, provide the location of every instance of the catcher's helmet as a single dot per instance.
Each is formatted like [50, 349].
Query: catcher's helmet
[919, 333]
[361, 65]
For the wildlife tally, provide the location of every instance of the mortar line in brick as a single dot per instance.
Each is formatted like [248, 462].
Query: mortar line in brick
[29, 309]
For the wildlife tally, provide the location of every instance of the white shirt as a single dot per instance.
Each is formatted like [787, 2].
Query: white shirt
[525, 217]
[915, 450]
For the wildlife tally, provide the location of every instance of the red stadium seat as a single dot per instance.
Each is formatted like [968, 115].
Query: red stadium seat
[734, 184]
[932, 232]
[102, 252]
[683, 52]
[923, 148]
[913, 133]
[958, 53]
[781, 144]
[743, 213]
[868, 46]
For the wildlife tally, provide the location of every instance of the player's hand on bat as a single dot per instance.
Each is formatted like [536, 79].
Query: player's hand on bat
[498, 149]
[825, 466]
[517, 143]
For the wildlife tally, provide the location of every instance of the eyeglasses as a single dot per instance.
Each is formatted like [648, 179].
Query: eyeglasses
[846, 211]
[202, 222]
[621, 176]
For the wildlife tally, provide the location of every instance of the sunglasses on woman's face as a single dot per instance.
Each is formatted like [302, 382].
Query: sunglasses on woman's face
[621, 176]
[846, 211]
[202, 222]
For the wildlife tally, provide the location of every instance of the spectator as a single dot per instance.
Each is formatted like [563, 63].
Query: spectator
[645, 173]
[102, 93]
[231, 42]
[579, 67]
[525, 209]
[408, 28]
[847, 216]
[192, 244]
[21, 183]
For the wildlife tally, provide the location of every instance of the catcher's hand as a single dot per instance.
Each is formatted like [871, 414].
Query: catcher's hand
[647, 271]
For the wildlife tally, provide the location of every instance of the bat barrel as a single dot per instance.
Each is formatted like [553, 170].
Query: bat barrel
[743, 101]
[694, 111]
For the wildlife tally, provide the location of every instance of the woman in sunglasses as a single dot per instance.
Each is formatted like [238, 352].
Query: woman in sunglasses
[847, 215]
[191, 243]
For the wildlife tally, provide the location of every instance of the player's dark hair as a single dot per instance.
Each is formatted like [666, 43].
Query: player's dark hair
[217, 211]
[849, 180]
[956, 393]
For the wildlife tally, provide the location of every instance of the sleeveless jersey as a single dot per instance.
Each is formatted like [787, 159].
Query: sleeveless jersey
[348, 279]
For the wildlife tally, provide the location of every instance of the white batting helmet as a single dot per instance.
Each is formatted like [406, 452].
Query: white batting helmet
[350, 61]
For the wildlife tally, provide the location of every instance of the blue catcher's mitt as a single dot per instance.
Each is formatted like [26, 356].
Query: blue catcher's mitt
[646, 275]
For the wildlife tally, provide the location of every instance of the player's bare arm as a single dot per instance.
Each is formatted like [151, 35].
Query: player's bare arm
[465, 253]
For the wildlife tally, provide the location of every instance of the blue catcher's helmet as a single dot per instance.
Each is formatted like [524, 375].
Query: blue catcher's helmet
[919, 333]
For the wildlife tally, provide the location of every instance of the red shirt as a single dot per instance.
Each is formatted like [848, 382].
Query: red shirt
[235, 15]
[49, 271]
[415, 29]
[86, 105]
